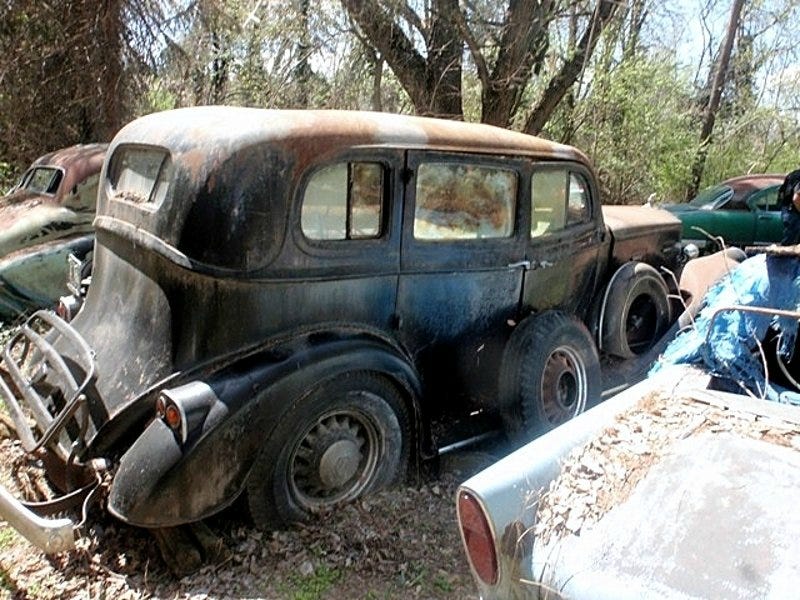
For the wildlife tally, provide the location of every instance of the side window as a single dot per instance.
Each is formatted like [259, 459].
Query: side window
[766, 200]
[464, 202]
[559, 198]
[548, 201]
[344, 202]
[578, 200]
[43, 180]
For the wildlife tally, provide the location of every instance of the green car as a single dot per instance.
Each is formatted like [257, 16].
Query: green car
[743, 211]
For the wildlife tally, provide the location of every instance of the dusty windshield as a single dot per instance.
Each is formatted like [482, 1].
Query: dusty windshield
[41, 180]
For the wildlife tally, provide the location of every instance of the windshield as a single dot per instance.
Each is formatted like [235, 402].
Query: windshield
[41, 180]
[712, 197]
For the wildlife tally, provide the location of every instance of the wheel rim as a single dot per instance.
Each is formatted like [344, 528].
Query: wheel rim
[564, 389]
[641, 324]
[335, 460]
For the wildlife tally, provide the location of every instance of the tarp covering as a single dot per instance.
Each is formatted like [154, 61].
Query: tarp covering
[732, 350]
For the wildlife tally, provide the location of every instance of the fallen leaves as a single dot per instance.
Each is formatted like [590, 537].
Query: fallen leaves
[601, 474]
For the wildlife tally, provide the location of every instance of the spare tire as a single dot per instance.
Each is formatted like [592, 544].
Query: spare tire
[636, 311]
[550, 372]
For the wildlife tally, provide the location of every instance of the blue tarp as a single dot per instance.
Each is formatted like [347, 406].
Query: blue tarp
[732, 351]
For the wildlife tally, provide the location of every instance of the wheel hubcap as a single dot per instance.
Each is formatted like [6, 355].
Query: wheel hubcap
[335, 460]
[641, 324]
[564, 390]
[339, 463]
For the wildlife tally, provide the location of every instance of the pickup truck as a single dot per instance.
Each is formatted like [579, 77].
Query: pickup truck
[675, 488]
[299, 307]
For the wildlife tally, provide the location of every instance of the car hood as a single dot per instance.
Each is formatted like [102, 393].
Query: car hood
[27, 219]
[679, 208]
[635, 221]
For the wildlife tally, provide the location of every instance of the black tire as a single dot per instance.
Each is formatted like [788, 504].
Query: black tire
[550, 372]
[637, 311]
[347, 436]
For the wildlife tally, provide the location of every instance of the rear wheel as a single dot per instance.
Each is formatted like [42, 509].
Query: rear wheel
[346, 437]
[550, 373]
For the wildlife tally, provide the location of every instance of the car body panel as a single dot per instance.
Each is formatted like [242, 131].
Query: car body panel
[712, 490]
[743, 211]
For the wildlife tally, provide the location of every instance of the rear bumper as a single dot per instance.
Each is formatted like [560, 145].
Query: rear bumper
[49, 535]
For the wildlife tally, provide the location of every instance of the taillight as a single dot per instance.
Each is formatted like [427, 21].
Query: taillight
[478, 538]
[169, 412]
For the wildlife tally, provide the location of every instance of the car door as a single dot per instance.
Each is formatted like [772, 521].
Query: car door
[768, 225]
[461, 270]
[564, 240]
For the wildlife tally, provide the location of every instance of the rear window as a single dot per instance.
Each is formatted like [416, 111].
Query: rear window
[140, 175]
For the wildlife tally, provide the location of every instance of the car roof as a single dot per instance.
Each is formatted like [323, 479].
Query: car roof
[64, 157]
[226, 129]
[746, 184]
[78, 162]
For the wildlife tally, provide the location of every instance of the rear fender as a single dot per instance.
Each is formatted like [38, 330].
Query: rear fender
[169, 477]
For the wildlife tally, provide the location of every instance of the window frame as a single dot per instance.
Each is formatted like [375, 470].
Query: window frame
[391, 159]
[569, 168]
[464, 254]
[348, 217]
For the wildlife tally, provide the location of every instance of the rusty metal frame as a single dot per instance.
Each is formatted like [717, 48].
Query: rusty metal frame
[28, 338]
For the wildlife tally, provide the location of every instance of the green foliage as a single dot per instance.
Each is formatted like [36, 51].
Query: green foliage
[637, 128]
[313, 586]
[760, 140]
[7, 537]
[8, 176]
[6, 583]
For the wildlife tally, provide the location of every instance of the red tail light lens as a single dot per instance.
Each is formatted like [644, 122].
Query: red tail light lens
[172, 416]
[478, 538]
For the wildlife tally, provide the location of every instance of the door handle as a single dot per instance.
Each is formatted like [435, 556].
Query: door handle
[524, 264]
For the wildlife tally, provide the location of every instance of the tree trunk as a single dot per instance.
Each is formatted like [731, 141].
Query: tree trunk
[562, 81]
[302, 71]
[710, 115]
[433, 84]
[522, 46]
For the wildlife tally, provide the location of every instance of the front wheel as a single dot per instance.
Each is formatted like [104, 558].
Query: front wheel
[348, 436]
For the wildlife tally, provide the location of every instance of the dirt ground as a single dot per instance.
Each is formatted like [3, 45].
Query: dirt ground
[398, 543]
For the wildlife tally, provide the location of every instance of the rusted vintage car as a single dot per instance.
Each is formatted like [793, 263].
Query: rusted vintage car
[300, 306]
[44, 219]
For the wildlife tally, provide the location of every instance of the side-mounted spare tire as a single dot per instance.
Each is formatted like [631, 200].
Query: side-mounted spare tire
[346, 436]
[550, 372]
[636, 311]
